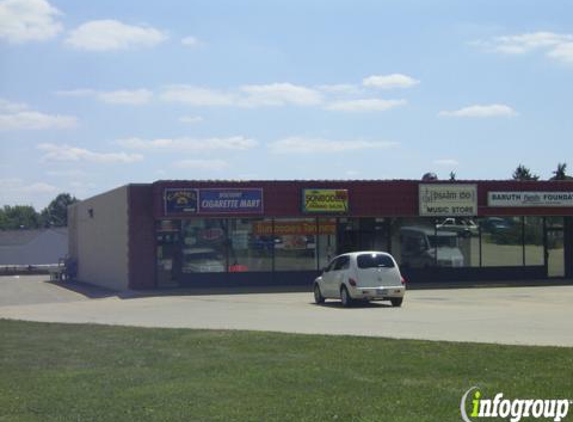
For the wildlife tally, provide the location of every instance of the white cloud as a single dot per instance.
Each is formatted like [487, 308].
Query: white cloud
[363, 105]
[493, 110]
[233, 143]
[71, 173]
[18, 116]
[137, 97]
[190, 42]
[446, 162]
[33, 120]
[213, 165]
[28, 20]
[395, 80]
[196, 96]
[340, 89]
[10, 107]
[19, 192]
[302, 145]
[55, 152]
[39, 187]
[77, 93]
[110, 35]
[555, 46]
[18, 185]
[191, 119]
[562, 52]
[248, 96]
[279, 94]
[122, 96]
[524, 43]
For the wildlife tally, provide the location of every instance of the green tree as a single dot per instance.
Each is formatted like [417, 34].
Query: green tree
[561, 172]
[56, 213]
[452, 176]
[523, 173]
[19, 217]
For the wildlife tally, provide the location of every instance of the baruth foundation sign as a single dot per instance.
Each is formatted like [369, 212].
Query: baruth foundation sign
[530, 199]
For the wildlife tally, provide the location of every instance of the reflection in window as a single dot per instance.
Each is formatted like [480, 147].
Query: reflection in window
[502, 241]
[326, 240]
[533, 236]
[348, 235]
[458, 244]
[411, 242]
[203, 247]
[295, 244]
[250, 245]
[554, 222]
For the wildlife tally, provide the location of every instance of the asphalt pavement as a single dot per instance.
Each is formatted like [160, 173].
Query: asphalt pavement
[515, 315]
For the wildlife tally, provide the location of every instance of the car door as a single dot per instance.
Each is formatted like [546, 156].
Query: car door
[339, 274]
[327, 279]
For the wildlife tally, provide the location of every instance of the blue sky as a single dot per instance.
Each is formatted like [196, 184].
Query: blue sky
[97, 94]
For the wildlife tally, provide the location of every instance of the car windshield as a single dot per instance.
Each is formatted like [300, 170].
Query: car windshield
[374, 261]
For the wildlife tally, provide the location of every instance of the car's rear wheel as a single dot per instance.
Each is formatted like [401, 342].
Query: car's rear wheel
[397, 301]
[345, 297]
[318, 297]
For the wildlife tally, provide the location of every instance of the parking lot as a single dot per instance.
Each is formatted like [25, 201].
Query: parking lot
[524, 315]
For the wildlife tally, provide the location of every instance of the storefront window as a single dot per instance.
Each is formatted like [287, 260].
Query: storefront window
[554, 222]
[533, 236]
[250, 245]
[502, 241]
[414, 242]
[348, 235]
[555, 246]
[326, 241]
[457, 242]
[295, 244]
[167, 241]
[374, 234]
[204, 246]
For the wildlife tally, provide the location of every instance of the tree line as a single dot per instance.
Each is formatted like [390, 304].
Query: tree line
[520, 173]
[18, 217]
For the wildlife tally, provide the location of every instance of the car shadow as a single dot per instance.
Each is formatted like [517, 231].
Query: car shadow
[357, 304]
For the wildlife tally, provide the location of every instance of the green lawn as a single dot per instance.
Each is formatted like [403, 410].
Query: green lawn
[57, 372]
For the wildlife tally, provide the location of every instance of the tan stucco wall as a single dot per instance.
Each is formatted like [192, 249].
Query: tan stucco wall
[100, 242]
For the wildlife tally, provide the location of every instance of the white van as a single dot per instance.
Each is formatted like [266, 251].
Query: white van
[423, 247]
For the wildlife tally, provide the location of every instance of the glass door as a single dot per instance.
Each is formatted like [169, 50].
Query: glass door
[555, 253]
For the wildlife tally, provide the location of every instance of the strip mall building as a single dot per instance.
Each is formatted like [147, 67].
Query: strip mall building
[228, 233]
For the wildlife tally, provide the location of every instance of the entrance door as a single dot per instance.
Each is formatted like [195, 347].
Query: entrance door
[363, 234]
[555, 252]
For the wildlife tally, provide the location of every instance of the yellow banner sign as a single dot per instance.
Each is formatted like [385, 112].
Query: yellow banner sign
[302, 228]
[325, 200]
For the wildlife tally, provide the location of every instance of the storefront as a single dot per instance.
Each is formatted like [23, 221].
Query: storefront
[200, 234]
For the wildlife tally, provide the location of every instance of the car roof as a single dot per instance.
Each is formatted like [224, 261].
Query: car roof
[356, 253]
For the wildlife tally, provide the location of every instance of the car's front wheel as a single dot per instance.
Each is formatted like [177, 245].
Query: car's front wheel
[345, 297]
[397, 301]
[318, 297]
